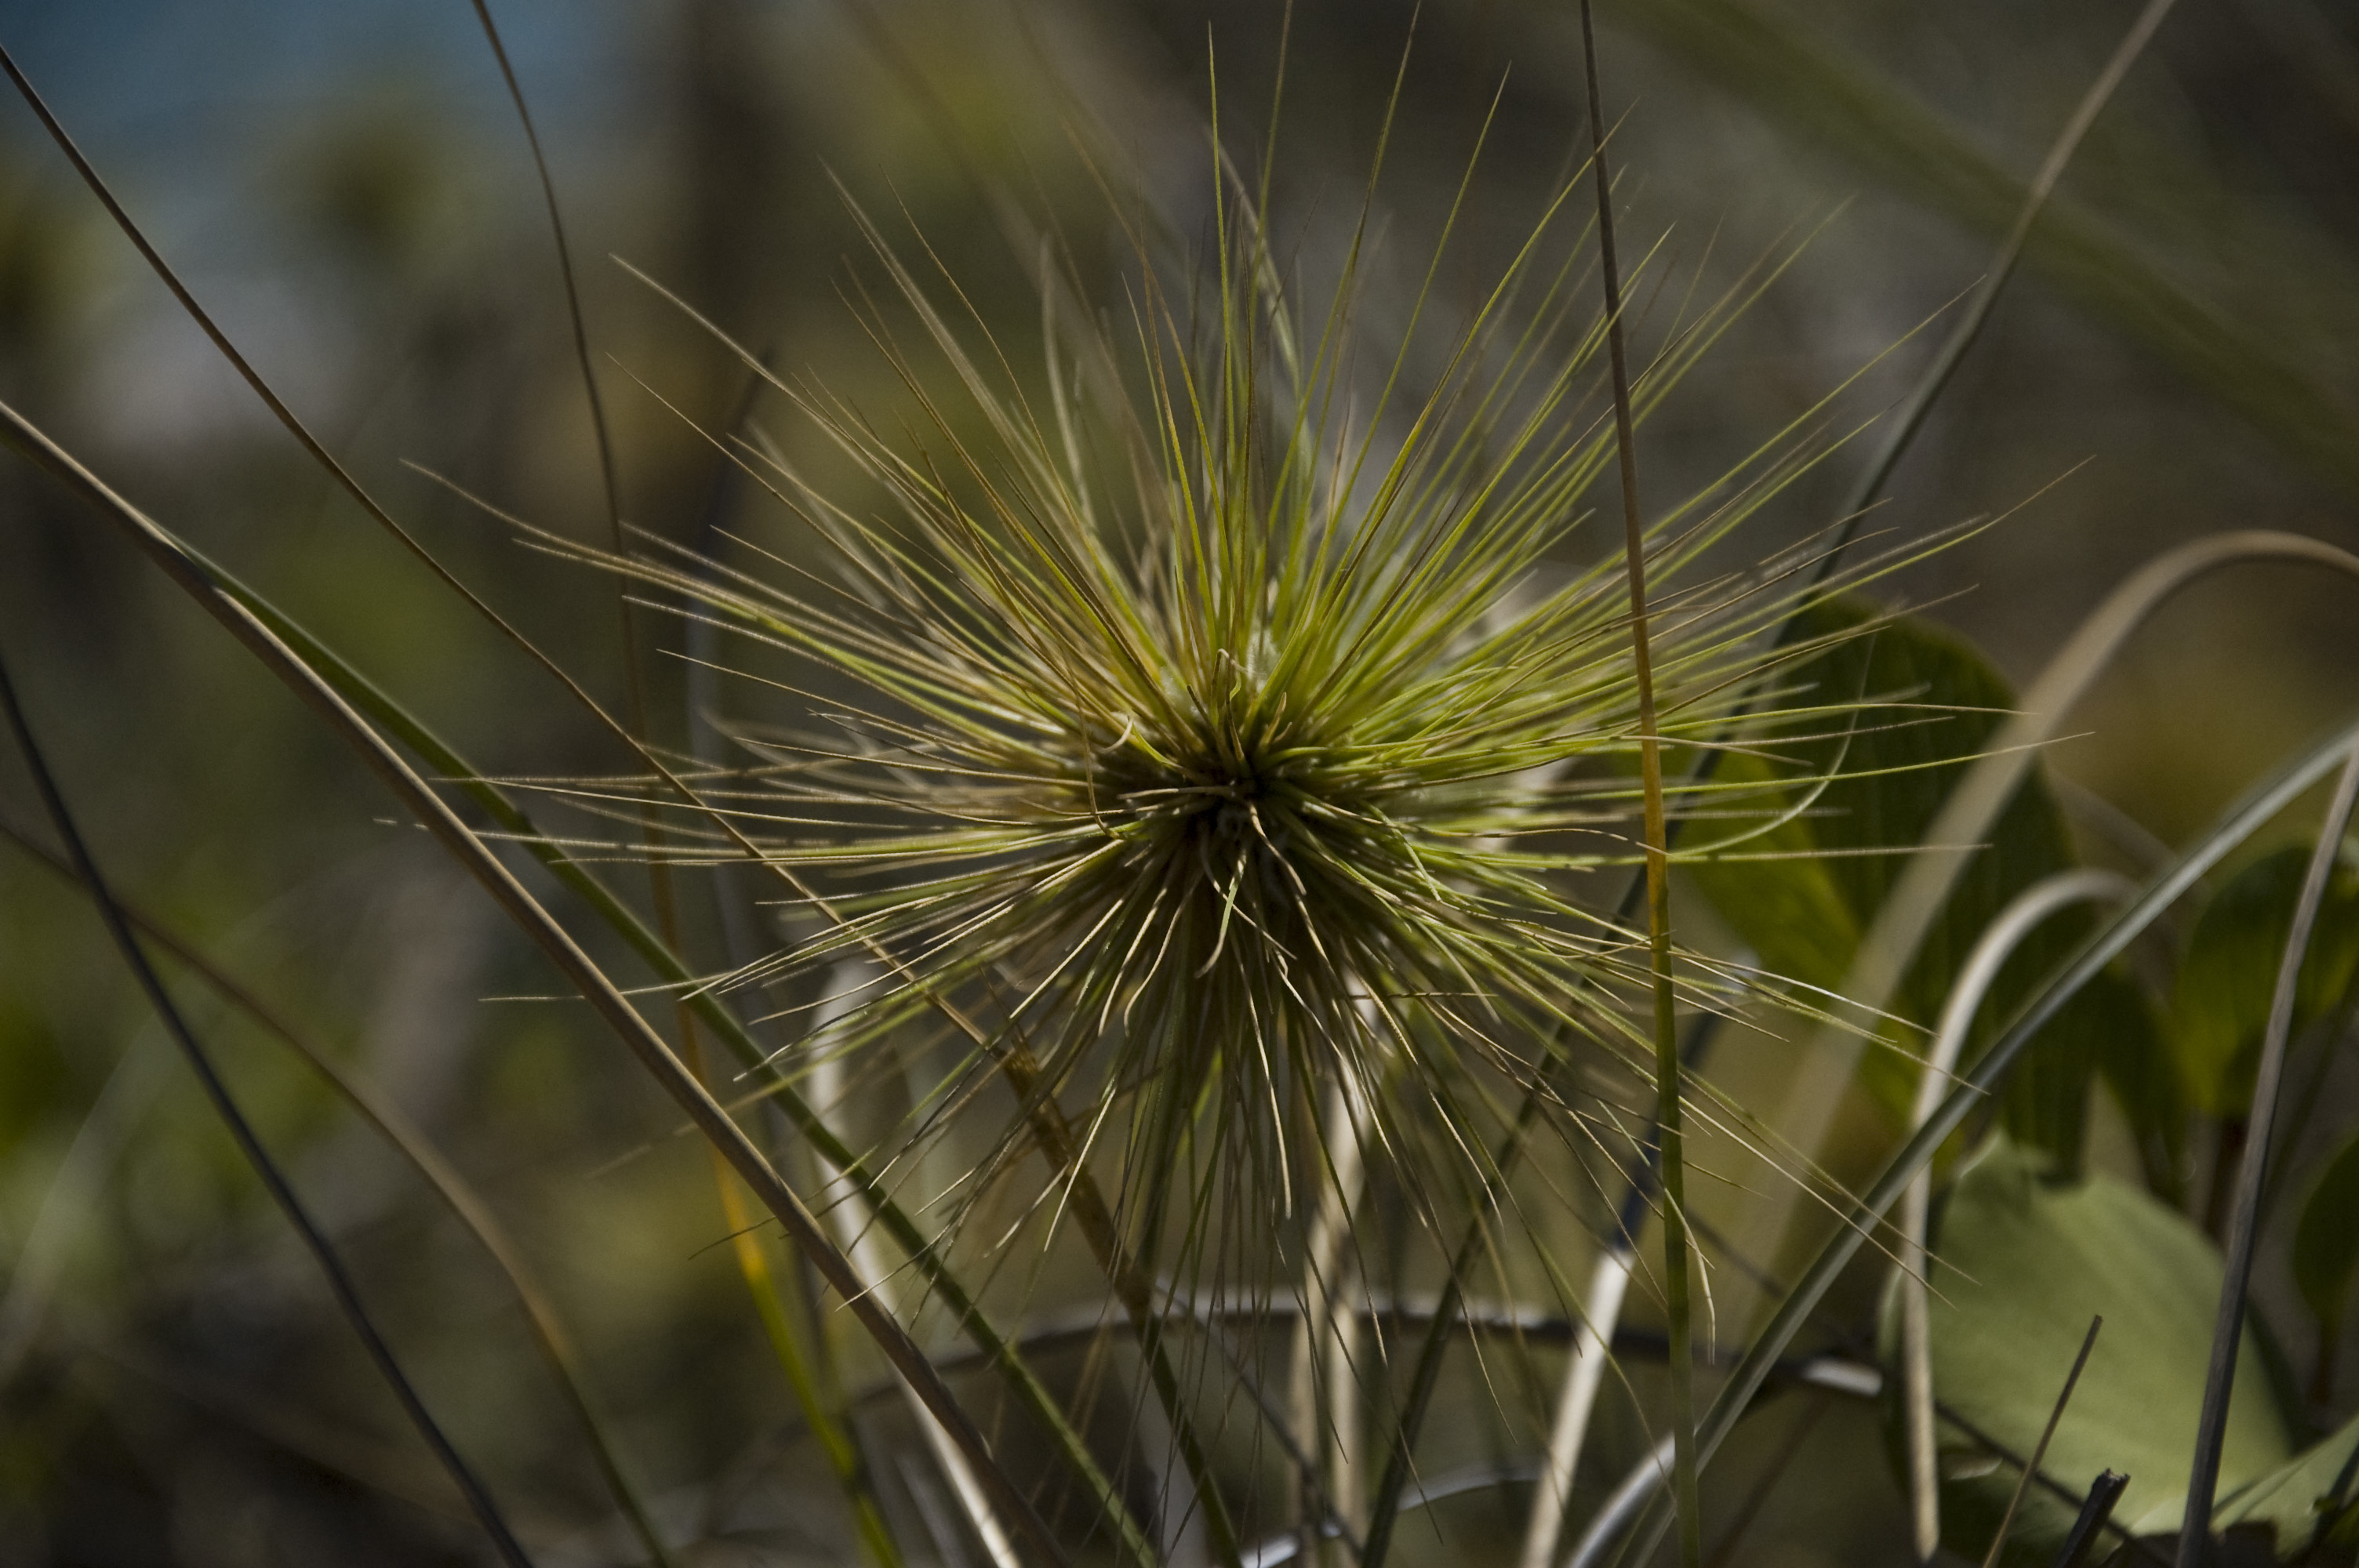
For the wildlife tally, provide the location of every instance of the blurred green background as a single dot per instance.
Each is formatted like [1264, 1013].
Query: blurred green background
[343, 185]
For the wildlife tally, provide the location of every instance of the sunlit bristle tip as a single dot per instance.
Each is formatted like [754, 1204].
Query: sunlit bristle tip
[1208, 720]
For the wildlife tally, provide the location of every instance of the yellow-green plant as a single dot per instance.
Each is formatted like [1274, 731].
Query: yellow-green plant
[1216, 724]
[1221, 741]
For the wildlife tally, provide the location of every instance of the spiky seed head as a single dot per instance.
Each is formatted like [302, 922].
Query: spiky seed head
[1229, 723]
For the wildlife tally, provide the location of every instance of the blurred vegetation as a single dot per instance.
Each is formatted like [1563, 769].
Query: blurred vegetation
[2179, 356]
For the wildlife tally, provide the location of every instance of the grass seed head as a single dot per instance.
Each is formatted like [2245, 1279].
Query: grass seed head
[1229, 722]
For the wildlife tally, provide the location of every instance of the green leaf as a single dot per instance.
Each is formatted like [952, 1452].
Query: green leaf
[2136, 1060]
[2307, 1499]
[1789, 911]
[2109, 1028]
[2023, 1262]
[2326, 1237]
[1813, 1283]
[1870, 784]
[2222, 1003]
[1807, 1293]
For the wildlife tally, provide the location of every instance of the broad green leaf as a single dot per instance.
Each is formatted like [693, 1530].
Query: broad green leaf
[2326, 1237]
[2305, 1499]
[1789, 911]
[1927, 705]
[1806, 1295]
[2109, 1029]
[2137, 1064]
[2023, 1262]
[2222, 1003]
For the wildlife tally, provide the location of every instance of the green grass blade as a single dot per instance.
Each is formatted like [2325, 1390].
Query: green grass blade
[1669, 1141]
[190, 573]
[713, 1014]
[799, 1353]
[455, 1192]
[1990, 1071]
[1929, 387]
[2227, 1335]
[315, 1241]
[1844, 105]
[1922, 891]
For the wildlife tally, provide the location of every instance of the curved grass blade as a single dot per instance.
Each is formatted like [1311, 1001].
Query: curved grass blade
[1930, 385]
[861, 1245]
[2022, 915]
[455, 1192]
[1922, 890]
[2227, 1335]
[755, 1062]
[1921, 398]
[373, 701]
[799, 1354]
[535, 922]
[315, 1241]
[995, 1349]
[2246, 817]
[1844, 105]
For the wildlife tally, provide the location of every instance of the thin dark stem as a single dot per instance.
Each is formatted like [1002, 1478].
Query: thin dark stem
[445, 1183]
[315, 1241]
[1790, 1450]
[2139, 1550]
[565, 271]
[1676, 1262]
[1383, 1509]
[2096, 1512]
[1937, 375]
[2023, 1482]
[198, 579]
[278, 406]
[634, 686]
[786, 1328]
[2306, 1099]
[2228, 1330]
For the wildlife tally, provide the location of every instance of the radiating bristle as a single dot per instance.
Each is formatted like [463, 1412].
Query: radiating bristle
[1215, 745]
